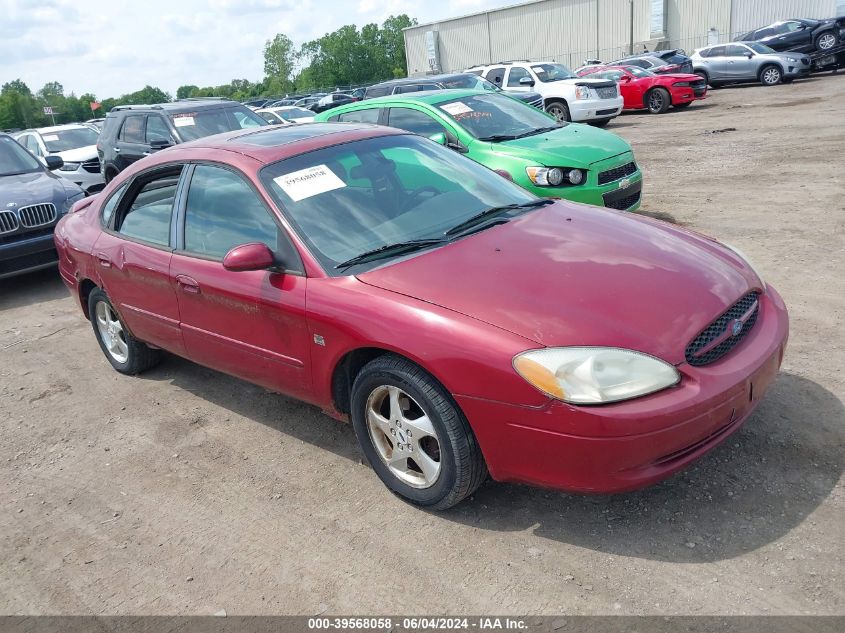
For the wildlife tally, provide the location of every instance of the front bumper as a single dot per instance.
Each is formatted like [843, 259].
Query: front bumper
[622, 193]
[629, 445]
[28, 253]
[595, 109]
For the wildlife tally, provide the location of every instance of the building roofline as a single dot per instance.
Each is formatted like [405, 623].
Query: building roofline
[472, 15]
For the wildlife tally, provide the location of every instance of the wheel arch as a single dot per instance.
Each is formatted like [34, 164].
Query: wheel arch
[777, 65]
[86, 287]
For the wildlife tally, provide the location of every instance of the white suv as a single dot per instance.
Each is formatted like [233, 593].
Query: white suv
[567, 97]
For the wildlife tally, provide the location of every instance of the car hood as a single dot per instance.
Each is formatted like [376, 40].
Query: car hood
[79, 154]
[571, 274]
[782, 56]
[580, 145]
[33, 188]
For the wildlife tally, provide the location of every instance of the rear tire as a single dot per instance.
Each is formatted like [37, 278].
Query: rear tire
[771, 75]
[559, 110]
[825, 41]
[126, 354]
[657, 100]
[403, 416]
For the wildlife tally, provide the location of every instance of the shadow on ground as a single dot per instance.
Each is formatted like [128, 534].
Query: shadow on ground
[31, 288]
[763, 482]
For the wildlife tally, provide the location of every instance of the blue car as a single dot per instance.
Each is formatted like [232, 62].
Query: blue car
[32, 199]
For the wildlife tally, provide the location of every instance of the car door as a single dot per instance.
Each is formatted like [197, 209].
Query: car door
[791, 35]
[514, 75]
[157, 130]
[717, 63]
[130, 145]
[629, 87]
[252, 323]
[132, 256]
[739, 63]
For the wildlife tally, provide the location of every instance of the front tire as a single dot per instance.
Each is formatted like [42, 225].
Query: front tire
[414, 435]
[771, 75]
[559, 110]
[126, 354]
[658, 100]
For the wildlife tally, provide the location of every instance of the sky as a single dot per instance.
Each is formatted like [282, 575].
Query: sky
[115, 47]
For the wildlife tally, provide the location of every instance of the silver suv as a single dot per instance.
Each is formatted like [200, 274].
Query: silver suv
[748, 61]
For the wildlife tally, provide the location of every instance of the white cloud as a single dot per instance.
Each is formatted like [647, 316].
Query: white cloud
[112, 48]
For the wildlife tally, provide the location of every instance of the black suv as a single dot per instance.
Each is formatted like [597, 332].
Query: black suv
[133, 131]
[469, 81]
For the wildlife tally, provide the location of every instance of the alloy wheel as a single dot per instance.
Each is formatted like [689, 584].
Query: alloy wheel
[111, 332]
[655, 101]
[558, 112]
[771, 76]
[403, 436]
[826, 41]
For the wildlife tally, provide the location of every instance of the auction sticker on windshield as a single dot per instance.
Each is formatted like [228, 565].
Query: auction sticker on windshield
[183, 121]
[458, 107]
[309, 182]
[51, 137]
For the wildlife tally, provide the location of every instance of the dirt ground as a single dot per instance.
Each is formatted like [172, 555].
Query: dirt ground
[184, 491]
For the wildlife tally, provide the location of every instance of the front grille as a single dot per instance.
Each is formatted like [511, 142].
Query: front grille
[699, 88]
[623, 203]
[21, 237]
[92, 166]
[37, 215]
[717, 339]
[607, 92]
[8, 222]
[617, 172]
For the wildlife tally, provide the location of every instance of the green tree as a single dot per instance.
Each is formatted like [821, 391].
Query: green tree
[279, 59]
[183, 92]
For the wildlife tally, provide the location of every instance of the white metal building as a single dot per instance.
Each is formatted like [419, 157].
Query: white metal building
[570, 31]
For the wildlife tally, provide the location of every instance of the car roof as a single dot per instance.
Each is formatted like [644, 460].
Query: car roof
[281, 108]
[192, 104]
[429, 97]
[271, 143]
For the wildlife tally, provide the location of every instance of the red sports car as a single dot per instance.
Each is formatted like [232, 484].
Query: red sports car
[644, 90]
[462, 324]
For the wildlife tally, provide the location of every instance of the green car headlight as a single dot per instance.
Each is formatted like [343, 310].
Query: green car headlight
[555, 176]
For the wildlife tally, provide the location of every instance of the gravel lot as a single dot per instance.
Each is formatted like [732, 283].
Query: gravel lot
[184, 491]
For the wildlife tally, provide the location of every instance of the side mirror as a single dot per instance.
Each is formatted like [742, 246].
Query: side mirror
[526, 81]
[439, 138]
[254, 256]
[159, 143]
[749, 55]
[53, 162]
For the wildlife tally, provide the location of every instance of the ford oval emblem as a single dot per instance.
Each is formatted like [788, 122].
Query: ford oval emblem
[736, 327]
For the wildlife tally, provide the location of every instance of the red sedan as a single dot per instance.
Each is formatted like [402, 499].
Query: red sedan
[462, 324]
[644, 90]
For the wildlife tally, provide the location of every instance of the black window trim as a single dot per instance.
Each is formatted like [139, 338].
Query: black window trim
[180, 217]
[119, 192]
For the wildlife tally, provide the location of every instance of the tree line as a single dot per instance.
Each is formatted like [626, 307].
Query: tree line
[346, 57]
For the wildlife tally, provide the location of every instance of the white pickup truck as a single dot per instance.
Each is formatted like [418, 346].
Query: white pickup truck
[566, 96]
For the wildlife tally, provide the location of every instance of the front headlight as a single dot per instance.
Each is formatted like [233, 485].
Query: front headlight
[69, 167]
[683, 84]
[555, 176]
[594, 375]
[745, 258]
[582, 92]
[792, 59]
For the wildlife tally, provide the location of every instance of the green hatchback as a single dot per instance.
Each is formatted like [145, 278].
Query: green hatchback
[549, 158]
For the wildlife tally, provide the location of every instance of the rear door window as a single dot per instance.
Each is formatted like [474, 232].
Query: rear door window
[370, 115]
[496, 75]
[132, 130]
[147, 216]
[414, 121]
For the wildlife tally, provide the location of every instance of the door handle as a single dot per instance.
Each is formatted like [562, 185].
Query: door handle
[188, 284]
[103, 260]
[116, 150]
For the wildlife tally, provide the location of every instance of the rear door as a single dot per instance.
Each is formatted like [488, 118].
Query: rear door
[716, 63]
[250, 324]
[133, 254]
[130, 145]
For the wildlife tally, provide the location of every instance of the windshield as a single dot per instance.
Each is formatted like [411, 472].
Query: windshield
[496, 117]
[352, 198]
[636, 71]
[295, 113]
[72, 138]
[14, 159]
[470, 82]
[552, 72]
[759, 48]
[194, 125]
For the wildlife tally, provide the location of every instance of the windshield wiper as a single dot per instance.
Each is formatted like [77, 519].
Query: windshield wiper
[391, 249]
[495, 138]
[539, 130]
[493, 211]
